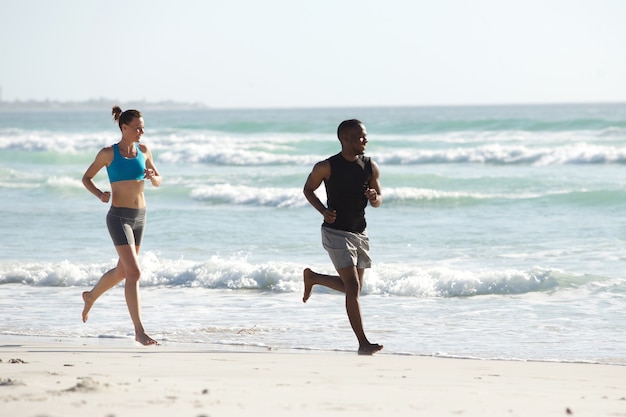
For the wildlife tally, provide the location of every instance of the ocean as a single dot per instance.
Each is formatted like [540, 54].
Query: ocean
[502, 234]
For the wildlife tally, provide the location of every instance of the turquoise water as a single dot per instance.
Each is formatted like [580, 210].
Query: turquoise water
[501, 233]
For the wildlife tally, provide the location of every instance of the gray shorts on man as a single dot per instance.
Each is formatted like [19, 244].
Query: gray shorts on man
[347, 249]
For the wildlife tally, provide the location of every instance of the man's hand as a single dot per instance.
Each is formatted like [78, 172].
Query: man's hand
[371, 194]
[330, 215]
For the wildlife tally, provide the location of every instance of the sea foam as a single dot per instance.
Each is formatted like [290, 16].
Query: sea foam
[237, 273]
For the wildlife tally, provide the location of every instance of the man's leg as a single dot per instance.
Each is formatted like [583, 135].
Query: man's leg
[349, 281]
[312, 278]
[352, 281]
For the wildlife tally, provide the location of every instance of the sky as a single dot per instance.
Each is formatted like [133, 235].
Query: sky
[322, 53]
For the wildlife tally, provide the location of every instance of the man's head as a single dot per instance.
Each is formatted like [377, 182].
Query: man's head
[353, 136]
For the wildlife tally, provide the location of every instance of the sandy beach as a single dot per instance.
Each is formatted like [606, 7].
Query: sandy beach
[118, 378]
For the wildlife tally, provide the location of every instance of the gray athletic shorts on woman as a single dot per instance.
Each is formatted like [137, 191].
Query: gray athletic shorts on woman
[347, 249]
[126, 225]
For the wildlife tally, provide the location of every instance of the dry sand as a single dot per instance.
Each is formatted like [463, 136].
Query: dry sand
[89, 379]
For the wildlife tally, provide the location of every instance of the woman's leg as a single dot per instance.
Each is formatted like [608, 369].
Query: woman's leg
[109, 280]
[130, 263]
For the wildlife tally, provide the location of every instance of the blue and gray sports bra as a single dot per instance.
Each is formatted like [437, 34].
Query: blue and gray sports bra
[122, 169]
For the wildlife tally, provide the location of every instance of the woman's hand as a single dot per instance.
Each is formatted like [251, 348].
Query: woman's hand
[149, 174]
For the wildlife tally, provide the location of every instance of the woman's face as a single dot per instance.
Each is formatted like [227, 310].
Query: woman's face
[134, 129]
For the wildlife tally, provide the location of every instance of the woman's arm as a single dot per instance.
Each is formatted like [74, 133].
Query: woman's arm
[103, 158]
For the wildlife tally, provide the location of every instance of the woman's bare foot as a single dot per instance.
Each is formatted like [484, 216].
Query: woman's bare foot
[88, 304]
[308, 285]
[145, 340]
[369, 349]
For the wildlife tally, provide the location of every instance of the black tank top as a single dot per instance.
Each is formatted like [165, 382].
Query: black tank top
[345, 190]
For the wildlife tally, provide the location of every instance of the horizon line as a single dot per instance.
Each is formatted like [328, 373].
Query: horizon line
[55, 104]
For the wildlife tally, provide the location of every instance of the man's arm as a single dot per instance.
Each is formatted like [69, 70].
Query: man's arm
[373, 193]
[320, 172]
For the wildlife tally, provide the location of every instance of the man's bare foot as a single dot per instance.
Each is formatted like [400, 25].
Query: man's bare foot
[369, 349]
[308, 285]
[88, 304]
[145, 340]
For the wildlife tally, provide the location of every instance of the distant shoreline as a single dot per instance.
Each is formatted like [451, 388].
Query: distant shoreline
[98, 104]
[104, 103]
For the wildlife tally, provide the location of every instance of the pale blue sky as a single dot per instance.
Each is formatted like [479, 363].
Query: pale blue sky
[280, 53]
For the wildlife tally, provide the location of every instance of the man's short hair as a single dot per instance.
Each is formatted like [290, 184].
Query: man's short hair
[347, 125]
